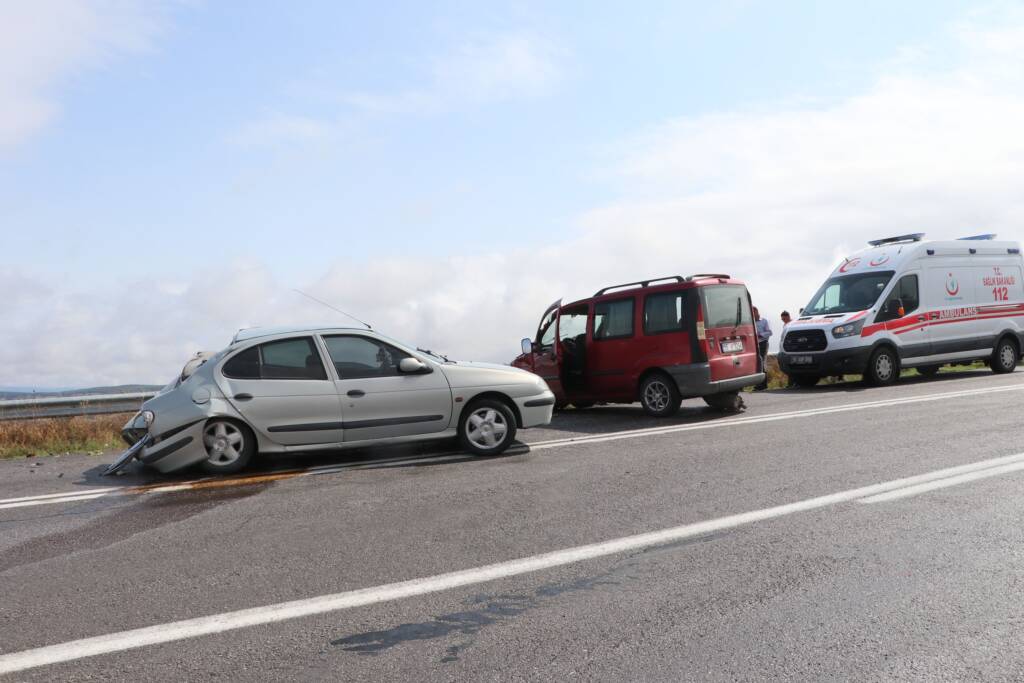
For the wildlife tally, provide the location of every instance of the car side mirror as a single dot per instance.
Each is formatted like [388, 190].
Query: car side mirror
[527, 346]
[410, 366]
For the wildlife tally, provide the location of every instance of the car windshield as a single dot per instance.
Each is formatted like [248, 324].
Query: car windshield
[848, 293]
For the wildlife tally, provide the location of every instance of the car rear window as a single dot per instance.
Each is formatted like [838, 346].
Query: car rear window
[723, 302]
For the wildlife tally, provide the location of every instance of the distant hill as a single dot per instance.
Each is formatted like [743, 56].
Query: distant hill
[14, 393]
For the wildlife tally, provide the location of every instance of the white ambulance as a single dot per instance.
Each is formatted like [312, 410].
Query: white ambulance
[910, 303]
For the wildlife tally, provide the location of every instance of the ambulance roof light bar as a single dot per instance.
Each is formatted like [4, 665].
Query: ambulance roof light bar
[914, 237]
[988, 236]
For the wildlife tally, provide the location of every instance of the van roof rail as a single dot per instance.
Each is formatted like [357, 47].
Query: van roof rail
[699, 276]
[972, 238]
[642, 283]
[913, 237]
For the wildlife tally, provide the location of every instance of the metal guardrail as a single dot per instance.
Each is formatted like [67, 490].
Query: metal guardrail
[69, 406]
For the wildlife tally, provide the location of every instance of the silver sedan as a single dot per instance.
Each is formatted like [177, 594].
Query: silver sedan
[279, 390]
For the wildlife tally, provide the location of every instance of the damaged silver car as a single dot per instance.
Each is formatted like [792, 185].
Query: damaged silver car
[280, 390]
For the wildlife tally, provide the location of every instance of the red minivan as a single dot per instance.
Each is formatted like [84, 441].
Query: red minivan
[657, 341]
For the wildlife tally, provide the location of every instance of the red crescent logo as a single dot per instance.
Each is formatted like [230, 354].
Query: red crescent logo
[884, 258]
[852, 263]
[952, 286]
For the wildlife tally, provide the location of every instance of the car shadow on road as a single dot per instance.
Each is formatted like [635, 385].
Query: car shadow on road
[856, 386]
[617, 418]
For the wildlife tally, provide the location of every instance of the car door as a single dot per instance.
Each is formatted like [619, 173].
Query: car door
[610, 361]
[911, 326]
[378, 400]
[283, 390]
[546, 361]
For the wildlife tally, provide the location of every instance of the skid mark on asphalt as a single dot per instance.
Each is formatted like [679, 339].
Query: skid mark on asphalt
[153, 513]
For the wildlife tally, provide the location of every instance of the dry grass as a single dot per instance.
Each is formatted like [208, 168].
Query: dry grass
[50, 436]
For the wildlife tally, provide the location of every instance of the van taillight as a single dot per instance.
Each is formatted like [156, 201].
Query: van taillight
[702, 337]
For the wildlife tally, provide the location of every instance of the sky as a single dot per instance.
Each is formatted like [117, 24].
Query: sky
[171, 171]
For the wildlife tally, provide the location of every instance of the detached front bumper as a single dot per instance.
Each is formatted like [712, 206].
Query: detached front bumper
[168, 451]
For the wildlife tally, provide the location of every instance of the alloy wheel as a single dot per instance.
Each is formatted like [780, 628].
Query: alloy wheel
[224, 442]
[657, 395]
[486, 428]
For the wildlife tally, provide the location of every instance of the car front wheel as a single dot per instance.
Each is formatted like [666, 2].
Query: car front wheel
[487, 427]
[229, 447]
[883, 368]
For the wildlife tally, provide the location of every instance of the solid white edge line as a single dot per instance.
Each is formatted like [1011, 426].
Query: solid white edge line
[268, 614]
[109, 489]
[943, 483]
[50, 501]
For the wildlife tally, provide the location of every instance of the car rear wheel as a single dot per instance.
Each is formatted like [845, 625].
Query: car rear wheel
[928, 370]
[806, 381]
[487, 427]
[1004, 357]
[229, 447]
[659, 395]
[883, 368]
[730, 402]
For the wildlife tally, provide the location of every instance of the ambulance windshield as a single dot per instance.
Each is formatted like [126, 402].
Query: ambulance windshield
[848, 293]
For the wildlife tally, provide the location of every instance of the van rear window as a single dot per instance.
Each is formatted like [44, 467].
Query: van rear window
[726, 306]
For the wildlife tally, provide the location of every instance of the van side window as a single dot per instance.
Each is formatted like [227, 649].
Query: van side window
[572, 324]
[613, 319]
[906, 293]
[663, 313]
[284, 359]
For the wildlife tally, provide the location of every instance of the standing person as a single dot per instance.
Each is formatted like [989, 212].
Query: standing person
[786, 320]
[764, 332]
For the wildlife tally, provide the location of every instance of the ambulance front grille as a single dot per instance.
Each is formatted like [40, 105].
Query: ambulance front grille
[805, 340]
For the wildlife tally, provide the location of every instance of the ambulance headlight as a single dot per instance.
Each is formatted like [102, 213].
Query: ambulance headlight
[848, 329]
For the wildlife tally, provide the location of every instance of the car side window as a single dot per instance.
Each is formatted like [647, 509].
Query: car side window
[907, 293]
[663, 313]
[357, 357]
[284, 359]
[613, 319]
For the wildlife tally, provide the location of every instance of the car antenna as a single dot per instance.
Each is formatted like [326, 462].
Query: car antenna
[333, 308]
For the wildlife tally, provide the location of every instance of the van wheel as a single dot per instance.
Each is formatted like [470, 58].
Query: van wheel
[487, 427]
[1004, 357]
[730, 402]
[883, 368]
[928, 370]
[229, 447]
[659, 395]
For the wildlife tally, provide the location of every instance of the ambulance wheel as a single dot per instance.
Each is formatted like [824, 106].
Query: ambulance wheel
[659, 395]
[928, 370]
[883, 368]
[806, 381]
[1004, 357]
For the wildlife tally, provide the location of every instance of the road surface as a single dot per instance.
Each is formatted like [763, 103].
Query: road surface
[833, 533]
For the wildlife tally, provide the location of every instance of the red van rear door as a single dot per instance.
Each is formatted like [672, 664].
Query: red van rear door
[729, 331]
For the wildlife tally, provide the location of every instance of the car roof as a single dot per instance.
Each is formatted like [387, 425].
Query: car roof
[632, 288]
[247, 333]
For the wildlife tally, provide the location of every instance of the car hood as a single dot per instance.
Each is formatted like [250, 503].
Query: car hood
[463, 373]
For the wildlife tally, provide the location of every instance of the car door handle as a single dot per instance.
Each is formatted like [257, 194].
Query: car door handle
[243, 397]
[356, 393]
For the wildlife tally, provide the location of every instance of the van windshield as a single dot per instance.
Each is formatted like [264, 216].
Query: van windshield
[848, 293]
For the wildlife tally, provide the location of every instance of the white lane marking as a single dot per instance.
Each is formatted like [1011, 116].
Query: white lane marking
[50, 501]
[268, 614]
[568, 441]
[64, 494]
[943, 483]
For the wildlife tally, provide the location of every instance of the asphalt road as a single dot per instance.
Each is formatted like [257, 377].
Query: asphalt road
[916, 579]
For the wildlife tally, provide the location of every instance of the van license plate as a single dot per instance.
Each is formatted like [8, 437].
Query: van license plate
[734, 346]
[801, 360]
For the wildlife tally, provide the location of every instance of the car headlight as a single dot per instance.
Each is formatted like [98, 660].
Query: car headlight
[848, 329]
[143, 420]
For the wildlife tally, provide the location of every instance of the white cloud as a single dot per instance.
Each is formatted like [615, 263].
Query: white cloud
[490, 68]
[282, 129]
[773, 195]
[44, 42]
